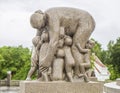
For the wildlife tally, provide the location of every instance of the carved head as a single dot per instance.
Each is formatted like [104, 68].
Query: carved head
[60, 43]
[37, 20]
[35, 40]
[68, 41]
[90, 44]
[45, 36]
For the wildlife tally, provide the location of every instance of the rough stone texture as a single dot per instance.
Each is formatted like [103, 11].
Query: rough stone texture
[93, 79]
[60, 87]
[111, 88]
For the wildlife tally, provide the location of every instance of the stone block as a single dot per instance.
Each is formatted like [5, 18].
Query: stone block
[60, 87]
[93, 79]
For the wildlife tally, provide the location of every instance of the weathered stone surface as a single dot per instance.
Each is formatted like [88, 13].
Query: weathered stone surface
[93, 79]
[60, 87]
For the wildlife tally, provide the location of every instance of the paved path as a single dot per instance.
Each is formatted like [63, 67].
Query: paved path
[5, 89]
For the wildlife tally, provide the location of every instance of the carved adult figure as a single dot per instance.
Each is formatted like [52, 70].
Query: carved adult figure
[77, 23]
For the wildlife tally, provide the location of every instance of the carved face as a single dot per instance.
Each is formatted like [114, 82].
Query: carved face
[90, 44]
[45, 36]
[35, 40]
[37, 20]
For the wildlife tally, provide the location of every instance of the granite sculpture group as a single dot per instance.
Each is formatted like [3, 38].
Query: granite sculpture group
[61, 45]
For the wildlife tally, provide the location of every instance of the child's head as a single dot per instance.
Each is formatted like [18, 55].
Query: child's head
[90, 44]
[60, 43]
[68, 41]
[35, 40]
[45, 36]
[61, 33]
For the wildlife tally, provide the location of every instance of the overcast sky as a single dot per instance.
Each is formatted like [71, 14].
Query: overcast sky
[15, 28]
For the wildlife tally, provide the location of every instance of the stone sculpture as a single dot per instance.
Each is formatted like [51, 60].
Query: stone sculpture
[34, 58]
[63, 48]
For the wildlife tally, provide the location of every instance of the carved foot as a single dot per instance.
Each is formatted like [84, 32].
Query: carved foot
[86, 79]
[28, 79]
[81, 78]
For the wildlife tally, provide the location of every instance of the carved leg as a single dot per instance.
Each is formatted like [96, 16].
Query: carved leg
[83, 71]
[30, 73]
[68, 69]
[86, 79]
[52, 47]
[45, 76]
[48, 59]
[84, 66]
[58, 66]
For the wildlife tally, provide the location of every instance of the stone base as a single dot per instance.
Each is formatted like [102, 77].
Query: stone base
[93, 79]
[60, 87]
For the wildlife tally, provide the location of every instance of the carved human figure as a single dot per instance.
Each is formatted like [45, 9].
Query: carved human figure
[42, 47]
[69, 60]
[34, 58]
[58, 62]
[85, 63]
[85, 66]
[77, 23]
[63, 56]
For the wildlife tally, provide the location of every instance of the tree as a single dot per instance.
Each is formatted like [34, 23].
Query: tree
[15, 59]
[115, 58]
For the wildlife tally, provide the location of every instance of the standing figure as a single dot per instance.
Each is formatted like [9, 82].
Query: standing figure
[43, 46]
[85, 66]
[58, 63]
[34, 58]
[69, 60]
[85, 63]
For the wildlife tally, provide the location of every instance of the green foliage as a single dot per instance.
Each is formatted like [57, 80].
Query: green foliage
[15, 59]
[110, 57]
[114, 59]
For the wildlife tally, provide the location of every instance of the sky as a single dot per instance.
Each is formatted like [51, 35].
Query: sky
[15, 28]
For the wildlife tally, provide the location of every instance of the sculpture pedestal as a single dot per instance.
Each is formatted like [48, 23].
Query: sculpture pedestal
[60, 87]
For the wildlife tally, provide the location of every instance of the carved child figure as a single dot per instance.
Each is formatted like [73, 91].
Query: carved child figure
[58, 63]
[34, 57]
[43, 46]
[63, 56]
[87, 64]
[69, 60]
